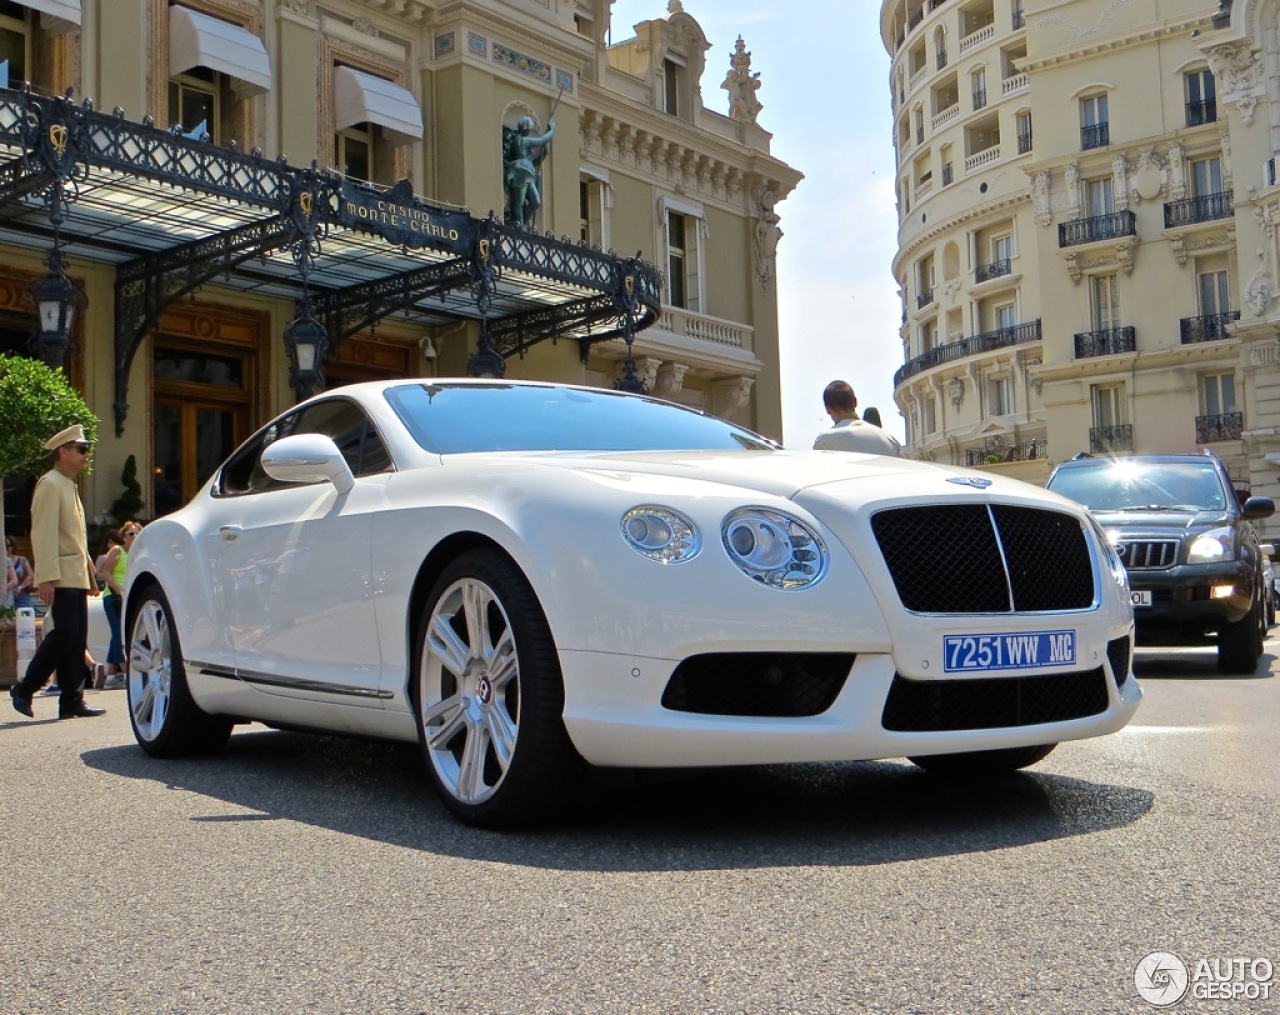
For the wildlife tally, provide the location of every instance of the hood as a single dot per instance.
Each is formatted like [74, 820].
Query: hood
[787, 474]
[1168, 522]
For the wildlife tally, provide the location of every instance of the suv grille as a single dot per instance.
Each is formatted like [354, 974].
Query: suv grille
[975, 558]
[923, 706]
[1147, 555]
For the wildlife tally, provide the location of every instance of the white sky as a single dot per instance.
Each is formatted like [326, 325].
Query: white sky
[824, 84]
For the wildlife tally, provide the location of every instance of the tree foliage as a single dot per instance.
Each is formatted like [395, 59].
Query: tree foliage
[36, 401]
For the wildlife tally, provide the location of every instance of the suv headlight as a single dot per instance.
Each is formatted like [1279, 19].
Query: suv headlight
[774, 548]
[1210, 546]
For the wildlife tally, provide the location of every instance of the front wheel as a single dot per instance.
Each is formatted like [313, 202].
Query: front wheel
[1240, 642]
[165, 718]
[1009, 759]
[490, 697]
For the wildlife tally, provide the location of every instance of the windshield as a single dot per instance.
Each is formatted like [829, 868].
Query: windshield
[458, 418]
[1143, 486]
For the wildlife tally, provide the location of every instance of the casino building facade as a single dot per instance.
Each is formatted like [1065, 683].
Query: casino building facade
[273, 196]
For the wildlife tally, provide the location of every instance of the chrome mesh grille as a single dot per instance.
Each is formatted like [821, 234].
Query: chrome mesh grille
[1148, 554]
[978, 558]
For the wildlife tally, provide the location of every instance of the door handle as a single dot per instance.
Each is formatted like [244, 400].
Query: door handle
[230, 532]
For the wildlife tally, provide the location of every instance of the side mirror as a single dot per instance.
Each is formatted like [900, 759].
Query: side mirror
[308, 458]
[1259, 507]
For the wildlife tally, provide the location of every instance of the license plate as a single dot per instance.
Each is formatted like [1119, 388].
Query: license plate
[1015, 650]
[1140, 598]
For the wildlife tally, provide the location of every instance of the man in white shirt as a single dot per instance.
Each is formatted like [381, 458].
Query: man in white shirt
[848, 433]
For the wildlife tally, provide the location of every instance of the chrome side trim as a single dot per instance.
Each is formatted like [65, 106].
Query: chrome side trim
[292, 683]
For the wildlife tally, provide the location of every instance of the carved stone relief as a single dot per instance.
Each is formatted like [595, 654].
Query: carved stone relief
[730, 395]
[1238, 71]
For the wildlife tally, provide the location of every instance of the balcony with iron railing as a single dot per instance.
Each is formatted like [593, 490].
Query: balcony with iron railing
[1201, 208]
[1203, 111]
[980, 98]
[1095, 135]
[1024, 142]
[1112, 226]
[988, 341]
[1019, 19]
[924, 298]
[1105, 439]
[1208, 328]
[947, 174]
[1226, 426]
[986, 272]
[941, 59]
[1271, 172]
[1023, 451]
[1107, 342]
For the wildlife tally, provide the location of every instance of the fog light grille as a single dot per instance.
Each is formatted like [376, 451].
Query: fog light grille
[757, 683]
[1118, 655]
[920, 706]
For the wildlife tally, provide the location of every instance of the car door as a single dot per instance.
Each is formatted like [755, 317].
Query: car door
[296, 562]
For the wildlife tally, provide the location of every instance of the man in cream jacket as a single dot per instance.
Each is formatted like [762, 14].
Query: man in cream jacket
[64, 577]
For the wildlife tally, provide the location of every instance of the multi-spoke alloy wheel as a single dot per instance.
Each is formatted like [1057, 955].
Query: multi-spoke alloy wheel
[490, 696]
[166, 720]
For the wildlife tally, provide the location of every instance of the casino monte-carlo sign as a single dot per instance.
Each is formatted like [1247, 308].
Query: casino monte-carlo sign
[408, 223]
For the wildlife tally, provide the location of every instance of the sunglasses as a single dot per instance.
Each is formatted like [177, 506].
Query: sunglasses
[84, 449]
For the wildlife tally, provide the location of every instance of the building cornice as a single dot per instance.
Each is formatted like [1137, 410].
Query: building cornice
[1170, 28]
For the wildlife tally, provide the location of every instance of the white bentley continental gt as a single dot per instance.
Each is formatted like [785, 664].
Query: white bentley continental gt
[528, 579]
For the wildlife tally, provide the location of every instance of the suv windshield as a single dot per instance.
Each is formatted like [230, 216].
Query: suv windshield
[1126, 485]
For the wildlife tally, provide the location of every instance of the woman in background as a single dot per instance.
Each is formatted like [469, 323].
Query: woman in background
[111, 565]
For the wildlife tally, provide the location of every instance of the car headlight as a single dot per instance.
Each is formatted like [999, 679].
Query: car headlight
[1210, 546]
[661, 534]
[774, 548]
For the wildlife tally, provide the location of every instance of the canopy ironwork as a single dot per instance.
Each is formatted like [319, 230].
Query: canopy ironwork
[174, 213]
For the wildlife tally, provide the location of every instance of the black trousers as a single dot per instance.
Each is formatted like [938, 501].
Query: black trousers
[62, 650]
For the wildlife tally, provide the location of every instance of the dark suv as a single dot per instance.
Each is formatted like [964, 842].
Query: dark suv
[1188, 544]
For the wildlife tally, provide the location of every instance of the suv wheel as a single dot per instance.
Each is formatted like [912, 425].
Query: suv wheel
[1239, 643]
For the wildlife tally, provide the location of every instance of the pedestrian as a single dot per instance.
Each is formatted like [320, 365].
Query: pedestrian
[64, 579]
[848, 432]
[111, 567]
[22, 572]
[871, 415]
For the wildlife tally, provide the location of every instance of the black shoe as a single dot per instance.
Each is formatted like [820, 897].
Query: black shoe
[21, 703]
[81, 711]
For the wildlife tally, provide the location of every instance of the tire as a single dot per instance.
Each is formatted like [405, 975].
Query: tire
[1240, 642]
[972, 763]
[490, 698]
[165, 718]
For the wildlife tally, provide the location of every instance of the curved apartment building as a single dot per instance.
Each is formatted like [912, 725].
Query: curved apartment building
[1086, 248]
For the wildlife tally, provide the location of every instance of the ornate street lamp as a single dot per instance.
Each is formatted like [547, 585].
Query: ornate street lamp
[486, 361]
[56, 299]
[307, 342]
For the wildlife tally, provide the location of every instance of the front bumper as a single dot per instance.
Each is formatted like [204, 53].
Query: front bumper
[1183, 597]
[614, 716]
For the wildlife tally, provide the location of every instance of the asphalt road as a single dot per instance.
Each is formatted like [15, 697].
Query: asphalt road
[303, 874]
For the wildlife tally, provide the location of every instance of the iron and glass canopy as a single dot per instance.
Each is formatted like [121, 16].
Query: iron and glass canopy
[173, 214]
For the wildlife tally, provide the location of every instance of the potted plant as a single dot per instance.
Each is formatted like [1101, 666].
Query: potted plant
[8, 646]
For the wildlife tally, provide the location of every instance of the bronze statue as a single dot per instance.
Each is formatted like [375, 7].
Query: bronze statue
[522, 157]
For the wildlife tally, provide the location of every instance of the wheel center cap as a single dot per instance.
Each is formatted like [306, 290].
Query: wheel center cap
[484, 690]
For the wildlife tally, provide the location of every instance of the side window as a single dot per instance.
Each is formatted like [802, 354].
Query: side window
[346, 423]
[243, 472]
[339, 418]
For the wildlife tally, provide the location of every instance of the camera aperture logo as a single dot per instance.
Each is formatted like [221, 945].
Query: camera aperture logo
[1162, 979]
